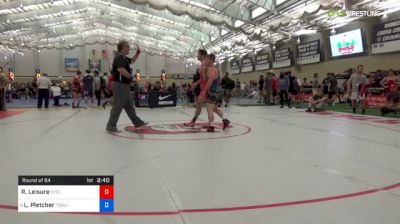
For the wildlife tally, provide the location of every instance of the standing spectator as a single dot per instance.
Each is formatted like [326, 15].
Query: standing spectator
[355, 86]
[43, 85]
[97, 87]
[294, 86]
[268, 88]
[283, 84]
[333, 89]
[3, 84]
[109, 93]
[76, 89]
[325, 84]
[261, 87]
[88, 88]
[238, 87]
[56, 93]
[274, 88]
[315, 83]
[227, 85]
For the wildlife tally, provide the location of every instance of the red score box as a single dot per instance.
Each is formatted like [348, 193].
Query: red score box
[106, 192]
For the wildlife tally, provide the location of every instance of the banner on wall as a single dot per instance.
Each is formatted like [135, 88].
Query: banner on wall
[262, 61]
[247, 63]
[235, 66]
[308, 53]
[70, 64]
[386, 37]
[282, 58]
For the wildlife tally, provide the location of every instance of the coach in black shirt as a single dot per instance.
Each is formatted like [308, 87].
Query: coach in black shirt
[122, 78]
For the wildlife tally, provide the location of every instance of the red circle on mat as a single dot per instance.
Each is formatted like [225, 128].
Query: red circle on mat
[175, 131]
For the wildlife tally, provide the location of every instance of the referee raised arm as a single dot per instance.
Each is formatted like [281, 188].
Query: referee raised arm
[122, 78]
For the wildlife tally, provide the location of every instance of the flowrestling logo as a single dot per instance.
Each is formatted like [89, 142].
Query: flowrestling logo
[354, 13]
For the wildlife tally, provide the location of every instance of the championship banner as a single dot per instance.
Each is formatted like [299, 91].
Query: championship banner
[235, 66]
[262, 61]
[282, 58]
[375, 101]
[386, 37]
[247, 63]
[308, 53]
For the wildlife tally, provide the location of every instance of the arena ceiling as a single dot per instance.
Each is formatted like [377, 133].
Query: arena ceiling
[175, 28]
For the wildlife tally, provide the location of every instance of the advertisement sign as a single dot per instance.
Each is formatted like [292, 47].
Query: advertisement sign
[155, 99]
[375, 101]
[347, 43]
[308, 53]
[386, 37]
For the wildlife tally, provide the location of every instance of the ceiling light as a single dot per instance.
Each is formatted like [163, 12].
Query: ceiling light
[5, 57]
[38, 51]
[333, 31]
[8, 20]
[298, 40]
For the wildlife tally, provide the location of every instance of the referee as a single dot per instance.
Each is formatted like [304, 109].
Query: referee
[122, 78]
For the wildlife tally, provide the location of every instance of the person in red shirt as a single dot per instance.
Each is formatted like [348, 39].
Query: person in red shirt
[390, 82]
[274, 88]
[76, 90]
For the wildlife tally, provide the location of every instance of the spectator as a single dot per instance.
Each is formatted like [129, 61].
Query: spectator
[390, 82]
[4, 81]
[283, 84]
[315, 83]
[268, 88]
[355, 88]
[305, 83]
[238, 87]
[393, 103]
[260, 87]
[333, 89]
[316, 103]
[76, 89]
[88, 88]
[56, 93]
[97, 87]
[43, 85]
[227, 85]
[274, 88]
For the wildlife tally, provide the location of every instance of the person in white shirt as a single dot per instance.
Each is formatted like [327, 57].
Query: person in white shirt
[43, 85]
[56, 93]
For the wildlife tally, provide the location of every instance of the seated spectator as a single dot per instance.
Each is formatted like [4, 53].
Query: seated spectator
[392, 104]
[317, 102]
[56, 93]
[305, 83]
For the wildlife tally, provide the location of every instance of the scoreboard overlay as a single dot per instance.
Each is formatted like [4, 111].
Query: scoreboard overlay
[66, 194]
